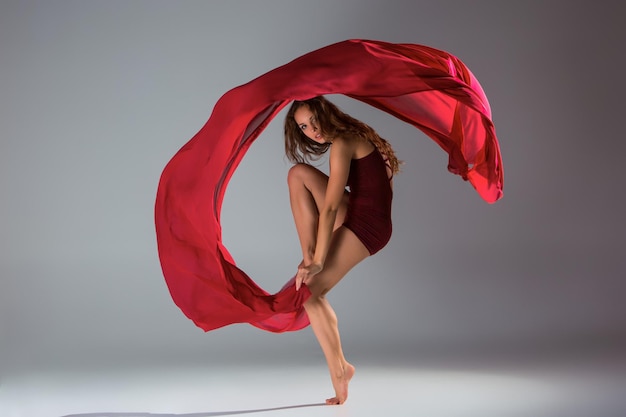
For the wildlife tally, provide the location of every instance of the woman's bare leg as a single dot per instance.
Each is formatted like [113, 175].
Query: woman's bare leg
[307, 187]
[307, 191]
[346, 251]
[324, 323]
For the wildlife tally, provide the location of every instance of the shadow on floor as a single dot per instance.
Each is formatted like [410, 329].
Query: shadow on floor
[206, 414]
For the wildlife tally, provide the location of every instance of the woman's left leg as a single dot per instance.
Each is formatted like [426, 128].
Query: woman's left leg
[346, 251]
[307, 189]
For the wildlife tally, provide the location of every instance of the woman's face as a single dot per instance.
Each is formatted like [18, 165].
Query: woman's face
[308, 124]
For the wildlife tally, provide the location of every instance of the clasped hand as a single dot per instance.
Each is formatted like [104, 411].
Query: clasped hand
[305, 273]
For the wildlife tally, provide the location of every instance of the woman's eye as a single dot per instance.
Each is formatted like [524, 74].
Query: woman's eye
[303, 127]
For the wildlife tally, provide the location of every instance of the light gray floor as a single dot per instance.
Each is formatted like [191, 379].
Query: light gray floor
[588, 385]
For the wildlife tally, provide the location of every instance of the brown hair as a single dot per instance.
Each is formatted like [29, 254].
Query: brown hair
[332, 123]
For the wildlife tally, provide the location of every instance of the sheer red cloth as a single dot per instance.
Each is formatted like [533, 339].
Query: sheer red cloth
[428, 88]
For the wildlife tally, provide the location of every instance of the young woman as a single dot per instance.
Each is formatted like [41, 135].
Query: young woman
[337, 229]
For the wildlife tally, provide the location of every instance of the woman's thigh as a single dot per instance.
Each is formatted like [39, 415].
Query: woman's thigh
[345, 252]
[316, 182]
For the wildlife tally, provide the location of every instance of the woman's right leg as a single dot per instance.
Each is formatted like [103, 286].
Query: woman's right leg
[307, 192]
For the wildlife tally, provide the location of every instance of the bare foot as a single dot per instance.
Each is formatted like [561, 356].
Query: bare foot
[340, 383]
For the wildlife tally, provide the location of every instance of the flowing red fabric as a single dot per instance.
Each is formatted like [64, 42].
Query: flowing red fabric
[428, 88]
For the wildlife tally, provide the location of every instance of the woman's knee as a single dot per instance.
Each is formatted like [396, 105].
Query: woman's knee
[318, 290]
[298, 173]
[315, 300]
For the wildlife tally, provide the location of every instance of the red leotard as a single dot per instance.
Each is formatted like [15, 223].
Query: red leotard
[369, 205]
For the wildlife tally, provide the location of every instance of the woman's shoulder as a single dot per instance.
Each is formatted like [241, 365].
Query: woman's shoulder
[356, 147]
[343, 148]
[343, 142]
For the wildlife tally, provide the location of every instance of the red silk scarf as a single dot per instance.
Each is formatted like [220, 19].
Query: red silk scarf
[428, 88]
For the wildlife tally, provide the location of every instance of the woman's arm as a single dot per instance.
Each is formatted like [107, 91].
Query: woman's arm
[341, 153]
[339, 160]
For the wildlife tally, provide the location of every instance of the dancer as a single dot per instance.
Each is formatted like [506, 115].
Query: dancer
[337, 229]
[428, 88]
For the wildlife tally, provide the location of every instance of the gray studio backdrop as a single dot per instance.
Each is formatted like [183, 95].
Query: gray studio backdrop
[97, 96]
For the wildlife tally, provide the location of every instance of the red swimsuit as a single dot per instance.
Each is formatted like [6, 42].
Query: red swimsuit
[369, 206]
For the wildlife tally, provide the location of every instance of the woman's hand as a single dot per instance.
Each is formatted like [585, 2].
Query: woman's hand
[306, 272]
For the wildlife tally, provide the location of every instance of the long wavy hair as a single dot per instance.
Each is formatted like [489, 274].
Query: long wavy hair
[332, 123]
